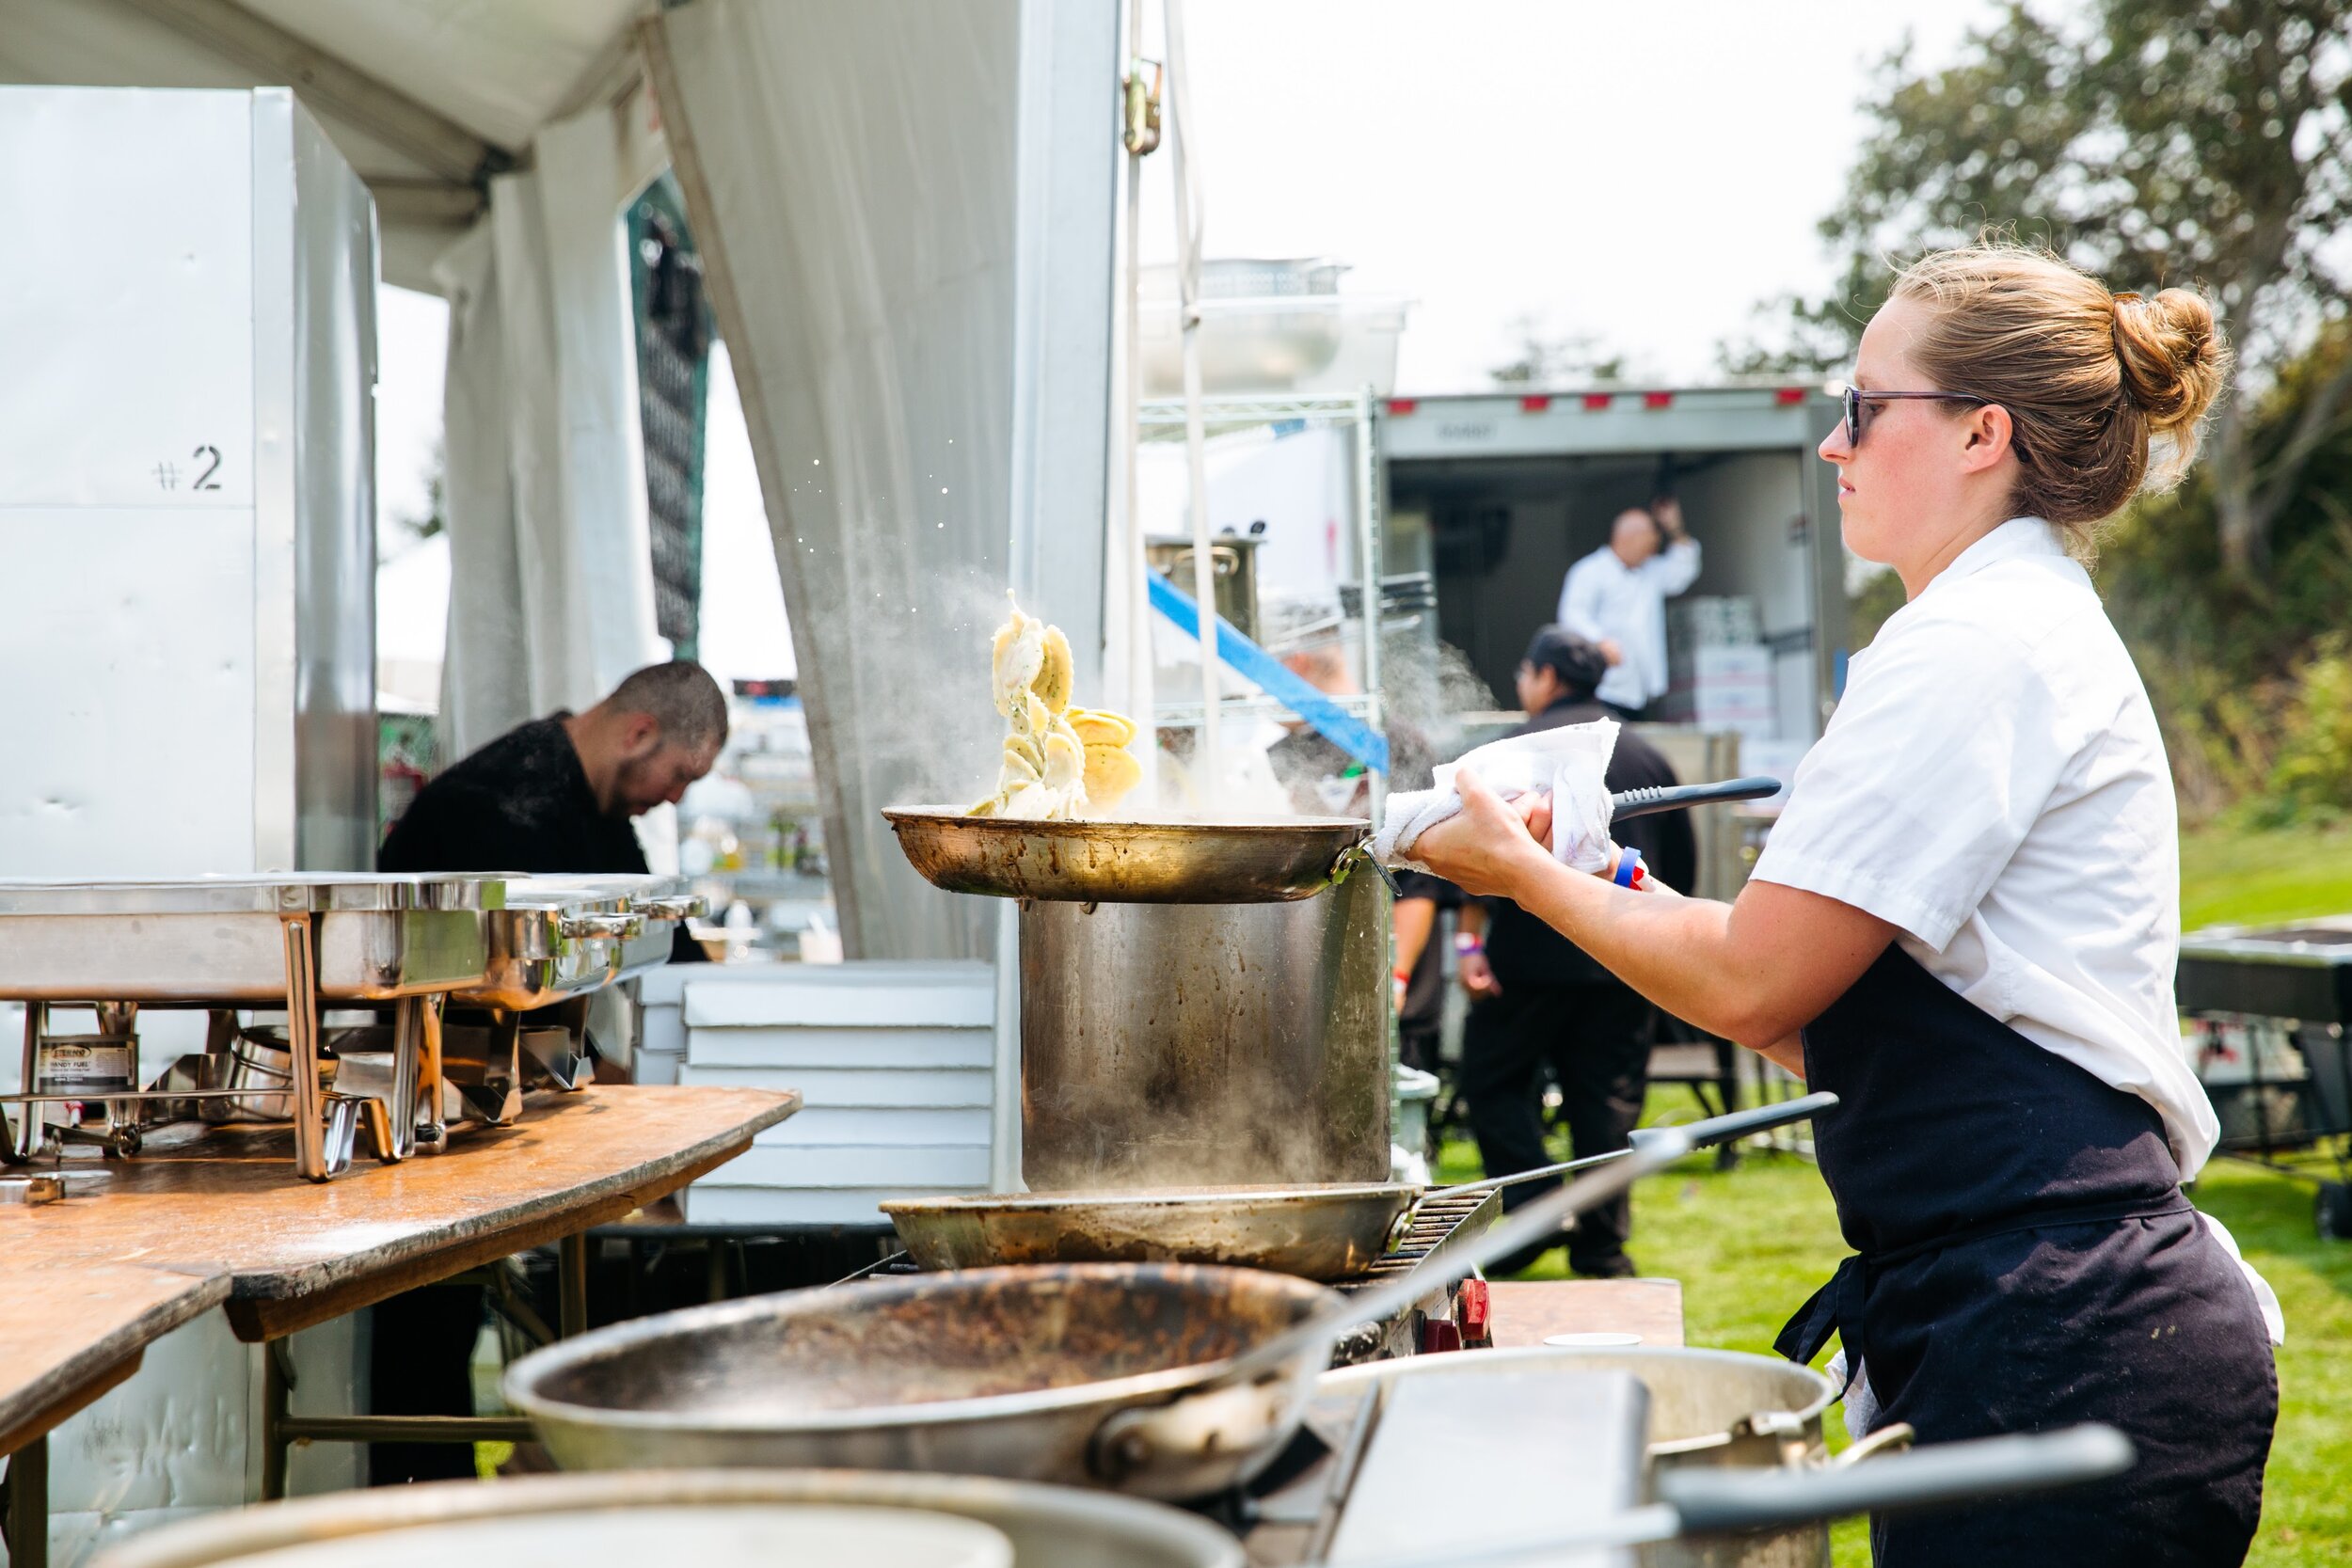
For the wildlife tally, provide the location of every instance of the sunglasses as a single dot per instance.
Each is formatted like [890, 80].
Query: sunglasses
[1856, 399]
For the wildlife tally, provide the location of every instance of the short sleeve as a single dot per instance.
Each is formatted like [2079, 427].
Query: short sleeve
[1939, 760]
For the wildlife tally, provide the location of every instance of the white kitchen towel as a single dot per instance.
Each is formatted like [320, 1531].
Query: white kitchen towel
[1570, 762]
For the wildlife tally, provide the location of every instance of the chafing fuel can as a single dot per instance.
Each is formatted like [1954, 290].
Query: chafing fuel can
[94, 1065]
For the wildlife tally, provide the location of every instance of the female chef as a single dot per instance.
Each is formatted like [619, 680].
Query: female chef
[1965, 924]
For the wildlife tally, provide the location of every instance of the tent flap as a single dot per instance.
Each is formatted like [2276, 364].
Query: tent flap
[850, 173]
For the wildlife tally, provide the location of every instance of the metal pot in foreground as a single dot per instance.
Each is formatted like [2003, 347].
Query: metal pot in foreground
[1708, 1409]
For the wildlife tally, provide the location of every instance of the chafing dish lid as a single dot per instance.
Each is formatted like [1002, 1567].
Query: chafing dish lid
[263, 893]
[618, 890]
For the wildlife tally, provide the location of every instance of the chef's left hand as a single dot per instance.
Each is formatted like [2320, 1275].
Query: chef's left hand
[1492, 845]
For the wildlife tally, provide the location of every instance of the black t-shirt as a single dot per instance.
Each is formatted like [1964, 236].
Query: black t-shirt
[521, 803]
[1425, 994]
[1521, 949]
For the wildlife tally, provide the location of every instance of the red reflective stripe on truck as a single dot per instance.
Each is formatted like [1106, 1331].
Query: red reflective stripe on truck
[1656, 400]
[1402, 405]
[1790, 394]
[1534, 403]
[1595, 400]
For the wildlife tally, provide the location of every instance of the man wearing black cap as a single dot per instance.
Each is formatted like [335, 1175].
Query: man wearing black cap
[1538, 1000]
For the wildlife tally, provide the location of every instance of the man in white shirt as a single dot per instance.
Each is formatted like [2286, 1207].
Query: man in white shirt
[1616, 597]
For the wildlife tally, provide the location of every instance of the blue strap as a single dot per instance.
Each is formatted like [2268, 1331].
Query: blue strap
[1629, 866]
[1262, 669]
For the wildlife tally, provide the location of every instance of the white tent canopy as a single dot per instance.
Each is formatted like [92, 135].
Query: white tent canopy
[427, 98]
[910, 208]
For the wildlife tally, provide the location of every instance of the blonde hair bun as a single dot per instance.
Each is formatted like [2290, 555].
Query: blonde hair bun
[2105, 391]
[2173, 361]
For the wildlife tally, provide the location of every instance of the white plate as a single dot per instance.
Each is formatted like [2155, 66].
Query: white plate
[1595, 1341]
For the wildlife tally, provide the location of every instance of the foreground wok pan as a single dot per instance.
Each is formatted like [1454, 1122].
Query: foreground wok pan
[1009, 1373]
[1167, 1381]
[1330, 1232]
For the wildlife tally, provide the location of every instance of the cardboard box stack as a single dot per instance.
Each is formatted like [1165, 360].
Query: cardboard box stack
[1719, 671]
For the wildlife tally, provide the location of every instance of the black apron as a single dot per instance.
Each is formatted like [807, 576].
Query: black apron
[2025, 1261]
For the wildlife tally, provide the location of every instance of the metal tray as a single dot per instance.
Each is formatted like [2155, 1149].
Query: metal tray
[563, 937]
[220, 938]
[1262, 861]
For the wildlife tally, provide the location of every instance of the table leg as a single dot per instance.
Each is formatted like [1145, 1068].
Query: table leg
[571, 1268]
[277, 1381]
[1728, 1085]
[27, 1523]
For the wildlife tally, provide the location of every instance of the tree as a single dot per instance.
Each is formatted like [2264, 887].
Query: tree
[2153, 142]
[434, 520]
[1551, 359]
[2250, 696]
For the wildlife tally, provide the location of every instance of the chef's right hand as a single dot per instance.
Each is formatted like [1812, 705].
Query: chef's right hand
[1476, 975]
[1611, 650]
[1488, 845]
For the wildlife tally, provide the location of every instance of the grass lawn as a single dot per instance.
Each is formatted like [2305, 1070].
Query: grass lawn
[2232, 877]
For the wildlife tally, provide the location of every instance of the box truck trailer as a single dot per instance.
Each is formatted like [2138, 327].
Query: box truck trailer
[1496, 495]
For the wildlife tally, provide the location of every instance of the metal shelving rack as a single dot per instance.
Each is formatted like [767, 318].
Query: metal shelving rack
[1163, 420]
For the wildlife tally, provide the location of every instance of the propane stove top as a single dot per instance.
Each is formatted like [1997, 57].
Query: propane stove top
[1451, 1316]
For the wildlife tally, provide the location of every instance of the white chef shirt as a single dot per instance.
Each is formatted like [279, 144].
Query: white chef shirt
[1604, 599]
[1994, 784]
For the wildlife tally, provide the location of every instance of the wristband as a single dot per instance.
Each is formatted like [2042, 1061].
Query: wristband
[1402, 976]
[1629, 872]
[1464, 943]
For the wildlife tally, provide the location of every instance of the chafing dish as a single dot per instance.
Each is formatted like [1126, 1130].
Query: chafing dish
[214, 939]
[222, 942]
[562, 937]
[557, 941]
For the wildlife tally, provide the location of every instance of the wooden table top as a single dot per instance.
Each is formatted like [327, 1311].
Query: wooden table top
[69, 1333]
[298, 1252]
[1528, 1311]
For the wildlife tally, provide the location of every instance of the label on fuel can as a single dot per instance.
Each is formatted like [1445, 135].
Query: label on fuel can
[92, 1065]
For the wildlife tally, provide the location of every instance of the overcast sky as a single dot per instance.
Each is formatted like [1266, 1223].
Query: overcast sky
[1643, 172]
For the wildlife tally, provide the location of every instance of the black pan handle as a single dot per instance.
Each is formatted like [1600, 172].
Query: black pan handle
[1641, 802]
[1702, 1134]
[1757, 1118]
[1943, 1475]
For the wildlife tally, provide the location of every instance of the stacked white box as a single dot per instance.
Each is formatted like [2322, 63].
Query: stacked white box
[1708, 621]
[1724, 687]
